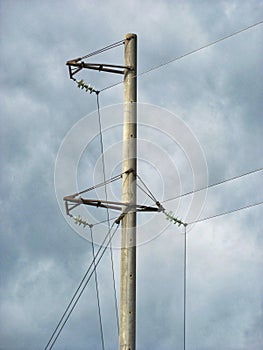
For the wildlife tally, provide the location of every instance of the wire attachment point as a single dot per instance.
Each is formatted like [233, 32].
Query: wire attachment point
[82, 85]
[79, 221]
[171, 218]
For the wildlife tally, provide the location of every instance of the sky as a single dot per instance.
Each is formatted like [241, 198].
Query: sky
[199, 122]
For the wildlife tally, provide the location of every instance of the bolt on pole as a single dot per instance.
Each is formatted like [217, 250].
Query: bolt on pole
[127, 337]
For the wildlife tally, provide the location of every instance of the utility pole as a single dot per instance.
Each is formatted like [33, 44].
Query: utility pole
[127, 337]
[128, 206]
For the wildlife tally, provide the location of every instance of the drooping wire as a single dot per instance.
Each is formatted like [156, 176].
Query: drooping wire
[185, 276]
[178, 58]
[186, 54]
[80, 289]
[226, 213]
[213, 185]
[108, 216]
[97, 290]
[176, 221]
[200, 48]
[170, 215]
[185, 263]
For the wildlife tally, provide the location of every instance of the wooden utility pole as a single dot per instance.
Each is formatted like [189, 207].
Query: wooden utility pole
[127, 337]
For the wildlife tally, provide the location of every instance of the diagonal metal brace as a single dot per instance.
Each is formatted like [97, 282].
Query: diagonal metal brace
[125, 207]
[75, 67]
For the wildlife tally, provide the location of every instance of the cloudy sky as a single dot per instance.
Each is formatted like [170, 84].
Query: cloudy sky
[214, 96]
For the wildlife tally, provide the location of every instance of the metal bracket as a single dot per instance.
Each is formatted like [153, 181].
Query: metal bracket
[72, 202]
[75, 66]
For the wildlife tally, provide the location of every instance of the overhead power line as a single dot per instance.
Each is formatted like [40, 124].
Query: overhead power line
[108, 215]
[176, 221]
[185, 280]
[81, 287]
[143, 187]
[213, 185]
[97, 291]
[186, 54]
[226, 213]
[199, 49]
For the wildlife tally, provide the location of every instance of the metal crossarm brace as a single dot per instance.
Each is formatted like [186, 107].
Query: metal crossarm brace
[75, 67]
[107, 204]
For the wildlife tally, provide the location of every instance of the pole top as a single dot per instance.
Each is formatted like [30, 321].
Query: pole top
[130, 36]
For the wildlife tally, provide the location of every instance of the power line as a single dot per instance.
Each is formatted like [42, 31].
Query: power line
[186, 54]
[213, 185]
[149, 193]
[185, 276]
[226, 213]
[97, 290]
[185, 262]
[82, 285]
[108, 215]
[82, 290]
[199, 49]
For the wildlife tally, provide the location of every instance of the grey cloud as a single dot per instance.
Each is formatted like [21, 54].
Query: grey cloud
[217, 92]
